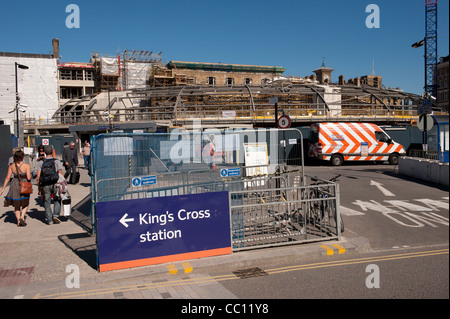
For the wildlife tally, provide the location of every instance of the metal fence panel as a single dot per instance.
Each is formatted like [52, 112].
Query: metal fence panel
[286, 215]
[179, 156]
[262, 169]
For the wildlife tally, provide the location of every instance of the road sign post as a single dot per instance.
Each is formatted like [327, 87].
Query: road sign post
[284, 122]
[425, 123]
[274, 100]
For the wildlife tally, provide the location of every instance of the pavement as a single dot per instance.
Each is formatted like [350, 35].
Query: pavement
[43, 261]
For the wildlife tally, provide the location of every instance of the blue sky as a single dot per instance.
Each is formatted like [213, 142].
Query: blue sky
[288, 33]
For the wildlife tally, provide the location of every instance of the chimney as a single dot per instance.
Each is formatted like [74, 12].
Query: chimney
[55, 43]
[341, 80]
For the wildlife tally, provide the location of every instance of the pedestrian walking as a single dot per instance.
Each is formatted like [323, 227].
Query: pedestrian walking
[19, 172]
[86, 151]
[11, 159]
[40, 154]
[70, 159]
[66, 145]
[48, 172]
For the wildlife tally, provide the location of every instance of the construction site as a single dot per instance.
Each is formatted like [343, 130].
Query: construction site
[135, 86]
[191, 161]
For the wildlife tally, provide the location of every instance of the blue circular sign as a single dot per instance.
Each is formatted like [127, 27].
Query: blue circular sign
[136, 182]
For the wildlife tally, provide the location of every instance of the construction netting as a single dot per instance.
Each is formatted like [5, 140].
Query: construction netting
[37, 87]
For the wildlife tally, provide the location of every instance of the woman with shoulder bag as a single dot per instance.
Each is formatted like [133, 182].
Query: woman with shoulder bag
[19, 173]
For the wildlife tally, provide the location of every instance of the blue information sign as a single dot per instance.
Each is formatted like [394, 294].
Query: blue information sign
[141, 232]
[144, 181]
[230, 172]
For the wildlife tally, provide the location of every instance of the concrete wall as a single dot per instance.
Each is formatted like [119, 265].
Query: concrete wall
[424, 169]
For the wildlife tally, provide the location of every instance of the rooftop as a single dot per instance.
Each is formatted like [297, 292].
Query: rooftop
[225, 67]
[26, 55]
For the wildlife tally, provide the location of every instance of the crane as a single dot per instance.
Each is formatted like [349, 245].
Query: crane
[431, 47]
[430, 42]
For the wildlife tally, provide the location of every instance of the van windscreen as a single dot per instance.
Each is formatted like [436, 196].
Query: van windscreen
[313, 137]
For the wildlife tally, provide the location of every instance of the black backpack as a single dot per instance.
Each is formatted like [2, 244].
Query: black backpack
[49, 174]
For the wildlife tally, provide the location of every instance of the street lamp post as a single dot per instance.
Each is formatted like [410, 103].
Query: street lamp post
[416, 45]
[23, 67]
[427, 89]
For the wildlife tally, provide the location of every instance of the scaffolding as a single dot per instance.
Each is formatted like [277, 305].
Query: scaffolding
[136, 68]
[163, 77]
[224, 105]
[128, 70]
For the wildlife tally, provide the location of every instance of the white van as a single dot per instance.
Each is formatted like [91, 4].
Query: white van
[339, 142]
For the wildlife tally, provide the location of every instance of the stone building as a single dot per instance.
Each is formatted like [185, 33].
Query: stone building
[224, 74]
[323, 74]
[375, 81]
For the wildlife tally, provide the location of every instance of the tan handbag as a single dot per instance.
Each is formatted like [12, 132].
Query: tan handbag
[25, 187]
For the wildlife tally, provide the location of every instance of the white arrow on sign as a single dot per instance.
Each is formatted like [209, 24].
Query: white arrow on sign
[124, 220]
[382, 189]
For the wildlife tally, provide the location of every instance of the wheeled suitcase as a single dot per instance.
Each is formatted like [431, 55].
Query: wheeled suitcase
[77, 177]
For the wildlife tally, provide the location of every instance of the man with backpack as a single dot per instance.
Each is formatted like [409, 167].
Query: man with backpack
[48, 172]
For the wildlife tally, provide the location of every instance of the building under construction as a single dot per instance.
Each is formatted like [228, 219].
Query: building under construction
[224, 95]
[241, 104]
[136, 86]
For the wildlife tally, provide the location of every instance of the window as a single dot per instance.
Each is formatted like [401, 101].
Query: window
[230, 81]
[265, 81]
[65, 74]
[70, 92]
[78, 75]
[211, 80]
[89, 75]
[444, 138]
[248, 81]
[313, 137]
[382, 137]
[63, 93]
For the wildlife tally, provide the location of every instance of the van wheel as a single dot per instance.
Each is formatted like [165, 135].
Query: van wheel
[337, 160]
[393, 159]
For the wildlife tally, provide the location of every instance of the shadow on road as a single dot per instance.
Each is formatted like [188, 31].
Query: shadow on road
[82, 244]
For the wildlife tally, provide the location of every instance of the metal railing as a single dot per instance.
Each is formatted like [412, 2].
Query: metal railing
[228, 114]
[267, 210]
[283, 216]
[432, 155]
[271, 208]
